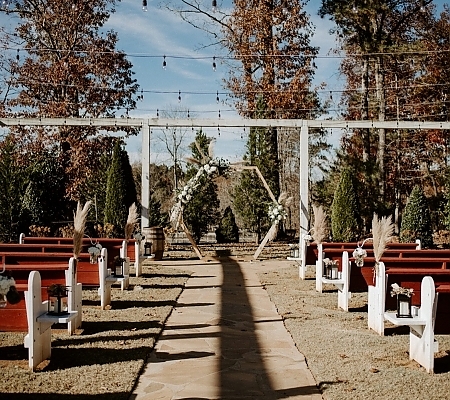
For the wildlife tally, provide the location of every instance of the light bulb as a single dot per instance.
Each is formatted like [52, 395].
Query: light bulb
[214, 5]
[164, 63]
[144, 5]
[214, 65]
[217, 98]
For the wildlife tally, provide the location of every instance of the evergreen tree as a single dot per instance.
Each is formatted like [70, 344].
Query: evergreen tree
[227, 231]
[416, 220]
[345, 219]
[250, 195]
[202, 210]
[155, 216]
[12, 182]
[117, 200]
[38, 208]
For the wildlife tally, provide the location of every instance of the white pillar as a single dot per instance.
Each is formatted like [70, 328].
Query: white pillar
[304, 178]
[145, 178]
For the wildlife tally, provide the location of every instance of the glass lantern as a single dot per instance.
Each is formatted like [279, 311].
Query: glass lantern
[118, 267]
[295, 252]
[403, 306]
[147, 249]
[332, 271]
[57, 299]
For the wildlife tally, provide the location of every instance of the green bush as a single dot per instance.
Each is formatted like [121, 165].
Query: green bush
[227, 231]
[416, 219]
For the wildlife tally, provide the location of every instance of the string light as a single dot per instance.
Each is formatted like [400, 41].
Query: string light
[214, 65]
[219, 113]
[157, 113]
[179, 96]
[164, 62]
[188, 114]
[144, 5]
[217, 98]
[218, 130]
[17, 55]
[214, 5]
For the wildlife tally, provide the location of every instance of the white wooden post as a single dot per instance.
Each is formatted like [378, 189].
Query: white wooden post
[145, 178]
[137, 258]
[377, 300]
[75, 295]
[304, 176]
[319, 267]
[343, 289]
[104, 290]
[126, 268]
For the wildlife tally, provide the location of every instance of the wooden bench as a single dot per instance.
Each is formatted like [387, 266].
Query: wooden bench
[38, 338]
[433, 314]
[355, 279]
[13, 317]
[309, 252]
[119, 247]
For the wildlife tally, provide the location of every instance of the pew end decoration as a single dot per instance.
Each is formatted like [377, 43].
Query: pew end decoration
[79, 223]
[382, 231]
[320, 228]
[132, 221]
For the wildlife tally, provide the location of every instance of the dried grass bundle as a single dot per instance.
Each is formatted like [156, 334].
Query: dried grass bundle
[132, 220]
[284, 200]
[382, 231]
[320, 227]
[79, 223]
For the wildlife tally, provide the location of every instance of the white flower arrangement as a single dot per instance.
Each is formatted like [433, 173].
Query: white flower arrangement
[138, 236]
[396, 290]
[6, 282]
[358, 254]
[186, 194]
[328, 262]
[277, 213]
[94, 252]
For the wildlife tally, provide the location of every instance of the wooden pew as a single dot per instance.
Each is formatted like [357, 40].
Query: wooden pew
[116, 247]
[13, 317]
[378, 292]
[310, 251]
[357, 279]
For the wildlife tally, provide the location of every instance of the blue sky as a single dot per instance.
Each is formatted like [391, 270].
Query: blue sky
[147, 36]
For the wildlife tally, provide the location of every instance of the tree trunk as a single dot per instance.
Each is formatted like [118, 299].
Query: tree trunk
[379, 81]
[365, 107]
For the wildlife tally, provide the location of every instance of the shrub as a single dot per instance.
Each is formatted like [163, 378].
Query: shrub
[227, 231]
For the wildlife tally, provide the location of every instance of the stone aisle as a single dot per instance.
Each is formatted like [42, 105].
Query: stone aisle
[225, 340]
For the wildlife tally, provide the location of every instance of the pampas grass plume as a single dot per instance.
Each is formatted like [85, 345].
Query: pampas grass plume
[320, 227]
[382, 231]
[132, 220]
[79, 223]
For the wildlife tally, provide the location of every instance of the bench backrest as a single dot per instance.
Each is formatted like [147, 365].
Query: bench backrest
[108, 243]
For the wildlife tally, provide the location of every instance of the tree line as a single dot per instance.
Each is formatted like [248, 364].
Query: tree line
[394, 56]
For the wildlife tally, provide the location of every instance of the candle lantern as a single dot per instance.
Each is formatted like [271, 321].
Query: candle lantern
[57, 299]
[147, 249]
[118, 267]
[294, 252]
[332, 271]
[403, 306]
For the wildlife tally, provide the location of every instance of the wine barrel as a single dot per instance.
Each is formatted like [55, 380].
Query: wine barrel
[155, 235]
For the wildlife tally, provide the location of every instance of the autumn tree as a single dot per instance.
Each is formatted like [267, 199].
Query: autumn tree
[270, 58]
[66, 67]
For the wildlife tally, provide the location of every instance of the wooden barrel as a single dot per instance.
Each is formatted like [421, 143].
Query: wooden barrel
[155, 235]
